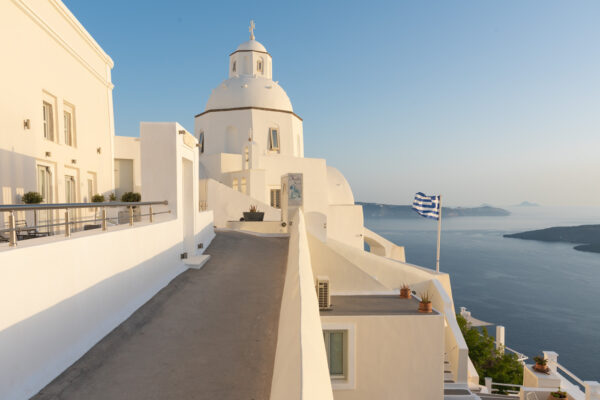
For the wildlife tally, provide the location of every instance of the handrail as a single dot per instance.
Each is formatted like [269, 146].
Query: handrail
[62, 206]
[569, 373]
[69, 221]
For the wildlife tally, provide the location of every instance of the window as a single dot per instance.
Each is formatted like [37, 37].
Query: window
[243, 185]
[234, 185]
[68, 117]
[276, 198]
[259, 66]
[201, 142]
[336, 345]
[69, 125]
[48, 120]
[274, 139]
[246, 157]
[233, 67]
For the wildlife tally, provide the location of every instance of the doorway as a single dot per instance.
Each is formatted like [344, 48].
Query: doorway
[187, 184]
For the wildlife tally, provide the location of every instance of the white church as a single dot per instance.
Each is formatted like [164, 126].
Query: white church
[190, 298]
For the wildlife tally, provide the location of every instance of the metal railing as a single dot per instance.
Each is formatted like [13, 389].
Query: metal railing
[68, 220]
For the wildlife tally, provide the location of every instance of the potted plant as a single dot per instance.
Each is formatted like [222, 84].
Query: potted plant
[540, 364]
[405, 291]
[425, 303]
[557, 395]
[33, 198]
[97, 198]
[112, 197]
[130, 197]
[253, 214]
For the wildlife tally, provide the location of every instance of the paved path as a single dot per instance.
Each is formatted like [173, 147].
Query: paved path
[210, 334]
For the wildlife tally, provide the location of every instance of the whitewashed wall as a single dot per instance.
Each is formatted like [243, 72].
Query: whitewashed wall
[300, 371]
[59, 296]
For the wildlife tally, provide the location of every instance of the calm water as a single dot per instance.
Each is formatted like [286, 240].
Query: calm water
[547, 295]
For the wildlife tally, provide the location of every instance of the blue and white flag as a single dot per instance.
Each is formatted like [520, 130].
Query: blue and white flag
[427, 206]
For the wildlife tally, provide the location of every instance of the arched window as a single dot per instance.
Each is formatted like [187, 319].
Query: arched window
[233, 67]
[259, 66]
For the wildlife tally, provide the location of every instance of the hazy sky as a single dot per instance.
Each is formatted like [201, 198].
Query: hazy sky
[482, 101]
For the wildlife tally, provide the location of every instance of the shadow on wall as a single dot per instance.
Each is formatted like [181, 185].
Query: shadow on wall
[37, 349]
[17, 176]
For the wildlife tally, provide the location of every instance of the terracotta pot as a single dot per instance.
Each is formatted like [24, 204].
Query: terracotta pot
[540, 367]
[405, 293]
[425, 307]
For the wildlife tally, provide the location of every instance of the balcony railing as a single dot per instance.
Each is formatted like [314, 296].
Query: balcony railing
[69, 220]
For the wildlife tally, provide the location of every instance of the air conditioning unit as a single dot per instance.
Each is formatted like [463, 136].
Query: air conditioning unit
[323, 293]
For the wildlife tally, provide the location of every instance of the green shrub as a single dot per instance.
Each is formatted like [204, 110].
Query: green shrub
[98, 198]
[131, 197]
[32, 198]
[112, 197]
[501, 367]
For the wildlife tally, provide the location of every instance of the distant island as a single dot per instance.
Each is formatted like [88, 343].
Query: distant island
[376, 210]
[527, 204]
[587, 236]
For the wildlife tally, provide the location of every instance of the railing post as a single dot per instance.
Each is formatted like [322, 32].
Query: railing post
[103, 213]
[552, 358]
[67, 224]
[488, 384]
[500, 339]
[151, 215]
[12, 237]
[130, 216]
[592, 390]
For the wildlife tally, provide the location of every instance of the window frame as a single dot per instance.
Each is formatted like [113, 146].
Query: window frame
[275, 203]
[278, 139]
[348, 381]
[72, 138]
[235, 184]
[48, 120]
[201, 141]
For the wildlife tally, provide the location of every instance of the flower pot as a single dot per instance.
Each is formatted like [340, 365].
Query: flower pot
[540, 368]
[425, 307]
[253, 216]
[561, 396]
[405, 293]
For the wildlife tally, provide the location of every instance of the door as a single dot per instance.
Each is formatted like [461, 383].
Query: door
[44, 187]
[188, 207]
[123, 177]
[71, 197]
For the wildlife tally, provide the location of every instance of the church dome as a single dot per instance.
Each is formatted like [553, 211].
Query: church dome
[338, 189]
[251, 45]
[249, 91]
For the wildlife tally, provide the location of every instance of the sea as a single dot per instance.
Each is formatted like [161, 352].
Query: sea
[546, 295]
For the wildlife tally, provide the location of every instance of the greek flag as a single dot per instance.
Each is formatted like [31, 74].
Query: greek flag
[427, 206]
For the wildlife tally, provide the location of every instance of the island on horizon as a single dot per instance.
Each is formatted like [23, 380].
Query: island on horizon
[587, 237]
[378, 210]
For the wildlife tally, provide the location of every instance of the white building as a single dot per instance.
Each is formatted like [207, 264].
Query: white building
[250, 136]
[56, 108]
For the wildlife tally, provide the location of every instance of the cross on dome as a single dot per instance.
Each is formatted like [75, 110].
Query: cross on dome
[251, 29]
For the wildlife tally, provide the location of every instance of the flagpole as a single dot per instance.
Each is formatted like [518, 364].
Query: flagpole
[437, 260]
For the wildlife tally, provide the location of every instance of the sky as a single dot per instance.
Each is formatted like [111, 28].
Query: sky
[494, 102]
